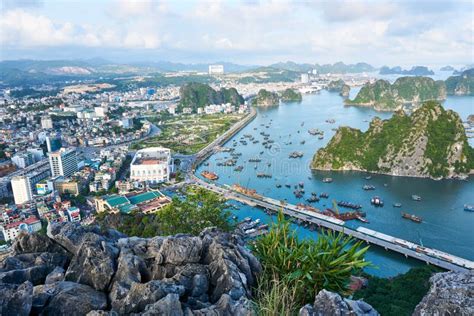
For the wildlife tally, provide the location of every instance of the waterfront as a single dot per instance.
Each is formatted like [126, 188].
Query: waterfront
[446, 226]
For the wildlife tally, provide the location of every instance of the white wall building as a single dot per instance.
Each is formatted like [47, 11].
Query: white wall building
[151, 165]
[63, 162]
[22, 191]
[12, 230]
[23, 160]
[216, 69]
[46, 122]
[304, 78]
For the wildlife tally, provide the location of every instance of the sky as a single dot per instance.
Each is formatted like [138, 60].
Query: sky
[380, 32]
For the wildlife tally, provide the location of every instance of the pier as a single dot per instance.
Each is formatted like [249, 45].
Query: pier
[389, 243]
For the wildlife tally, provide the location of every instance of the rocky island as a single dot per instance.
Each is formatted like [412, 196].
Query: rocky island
[383, 96]
[339, 86]
[291, 95]
[194, 95]
[430, 143]
[414, 71]
[266, 98]
[462, 84]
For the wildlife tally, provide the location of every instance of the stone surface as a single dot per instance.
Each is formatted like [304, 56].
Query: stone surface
[329, 303]
[16, 299]
[451, 293]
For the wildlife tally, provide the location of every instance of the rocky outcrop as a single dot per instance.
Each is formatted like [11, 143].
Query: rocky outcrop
[266, 98]
[431, 142]
[451, 293]
[328, 303]
[339, 86]
[80, 270]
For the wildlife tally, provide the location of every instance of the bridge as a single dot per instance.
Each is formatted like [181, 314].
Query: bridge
[389, 243]
[406, 248]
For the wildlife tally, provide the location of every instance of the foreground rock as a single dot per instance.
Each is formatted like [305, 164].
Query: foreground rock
[451, 293]
[328, 303]
[79, 270]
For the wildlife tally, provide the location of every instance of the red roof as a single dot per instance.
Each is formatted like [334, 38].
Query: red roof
[30, 220]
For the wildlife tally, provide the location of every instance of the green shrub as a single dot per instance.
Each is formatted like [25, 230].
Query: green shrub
[309, 265]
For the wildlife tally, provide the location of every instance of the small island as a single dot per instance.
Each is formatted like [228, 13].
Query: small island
[447, 68]
[291, 95]
[429, 143]
[339, 86]
[194, 95]
[462, 84]
[414, 71]
[383, 96]
[266, 98]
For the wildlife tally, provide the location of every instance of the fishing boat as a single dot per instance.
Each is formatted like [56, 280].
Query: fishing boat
[377, 201]
[321, 137]
[324, 195]
[331, 121]
[415, 197]
[278, 186]
[296, 154]
[349, 205]
[312, 199]
[302, 142]
[209, 175]
[368, 178]
[412, 217]
[250, 192]
[239, 168]
[469, 208]
[327, 180]
[368, 187]
[263, 175]
[397, 204]
[301, 184]
[288, 185]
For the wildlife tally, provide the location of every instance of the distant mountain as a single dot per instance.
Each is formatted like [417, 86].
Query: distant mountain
[338, 67]
[167, 66]
[414, 71]
[383, 96]
[462, 84]
[447, 68]
[339, 86]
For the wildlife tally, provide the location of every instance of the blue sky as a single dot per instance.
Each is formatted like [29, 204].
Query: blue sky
[379, 32]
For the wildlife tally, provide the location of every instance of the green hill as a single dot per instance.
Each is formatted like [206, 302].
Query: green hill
[291, 95]
[462, 84]
[339, 86]
[431, 142]
[383, 96]
[266, 98]
[194, 95]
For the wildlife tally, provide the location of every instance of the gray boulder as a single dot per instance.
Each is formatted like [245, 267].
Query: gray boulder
[451, 293]
[16, 299]
[94, 263]
[329, 303]
[181, 249]
[168, 305]
[56, 275]
[34, 243]
[69, 298]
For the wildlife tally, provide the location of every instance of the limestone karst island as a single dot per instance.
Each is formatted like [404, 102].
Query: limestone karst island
[248, 158]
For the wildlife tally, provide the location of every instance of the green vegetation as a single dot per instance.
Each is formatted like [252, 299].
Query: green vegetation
[301, 268]
[462, 84]
[339, 86]
[290, 95]
[397, 296]
[189, 134]
[200, 209]
[266, 98]
[384, 96]
[195, 95]
[386, 144]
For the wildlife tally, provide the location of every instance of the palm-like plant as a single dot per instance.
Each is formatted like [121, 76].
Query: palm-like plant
[309, 265]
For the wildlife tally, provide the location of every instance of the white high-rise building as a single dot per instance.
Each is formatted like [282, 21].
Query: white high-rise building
[304, 78]
[216, 69]
[151, 165]
[22, 191]
[63, 162]
[46, 122]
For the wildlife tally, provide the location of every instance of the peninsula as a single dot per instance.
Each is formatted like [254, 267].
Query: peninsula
[430, 143]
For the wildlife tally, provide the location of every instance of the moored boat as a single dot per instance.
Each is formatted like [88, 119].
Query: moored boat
[209, 175]
[469, 208]
[327, 180]
[377, 201]
[412, 217]
[415, 197]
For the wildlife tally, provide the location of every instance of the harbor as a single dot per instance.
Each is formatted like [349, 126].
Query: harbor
[446, 225]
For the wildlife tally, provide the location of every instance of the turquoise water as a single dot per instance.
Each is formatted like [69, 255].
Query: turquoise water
[446, 226]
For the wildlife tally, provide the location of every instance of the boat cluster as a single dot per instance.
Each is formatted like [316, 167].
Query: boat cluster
[252, 228]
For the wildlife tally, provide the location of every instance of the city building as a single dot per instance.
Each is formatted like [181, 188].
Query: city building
[67, 186]
[22, 191]
[53, 143]
[12, 230]
[63, 162]
[37, 153]
[151, 165]
[216, 69]
[304, 78]
[23, 160]
[46, 122]
[146, 202]
[74, 214]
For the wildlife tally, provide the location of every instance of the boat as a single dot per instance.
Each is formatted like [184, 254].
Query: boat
[397, 204]
[312, 199]
[349, 205]
[296, 154]
[263, 175]
[209, 175]
[239, 168]
[250, 192]
[376, 201]
[368, 187]
[301, 184]
[331, 121]
[288, 185]
[469, 208]
[324, 195]
[321, 137]
[415, 197]
[302, 142]
[368, 177]
[412, 217]
[278, 186]
[315, 131]
[327, 180]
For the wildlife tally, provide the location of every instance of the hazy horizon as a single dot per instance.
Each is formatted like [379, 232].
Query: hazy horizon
[246, 32]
